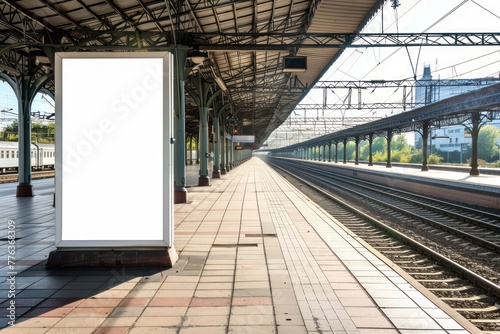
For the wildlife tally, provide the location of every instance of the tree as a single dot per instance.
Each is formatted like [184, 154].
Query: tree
[41, 133]
[379, 145]
[486, 145]
[398, 143]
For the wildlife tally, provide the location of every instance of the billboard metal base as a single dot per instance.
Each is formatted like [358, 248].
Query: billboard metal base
[165, 257]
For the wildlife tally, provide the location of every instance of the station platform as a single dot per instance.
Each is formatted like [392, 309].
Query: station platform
[255, 256]
[454, 185]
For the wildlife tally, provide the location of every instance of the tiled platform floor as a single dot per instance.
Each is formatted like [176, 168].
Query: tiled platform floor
[256, 256]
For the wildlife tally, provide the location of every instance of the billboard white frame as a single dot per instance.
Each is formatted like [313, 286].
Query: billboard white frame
[114, 176]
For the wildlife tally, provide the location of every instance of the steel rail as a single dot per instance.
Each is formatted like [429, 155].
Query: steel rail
[468, 274]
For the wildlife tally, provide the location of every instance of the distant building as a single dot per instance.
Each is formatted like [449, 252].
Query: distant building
[455, 140]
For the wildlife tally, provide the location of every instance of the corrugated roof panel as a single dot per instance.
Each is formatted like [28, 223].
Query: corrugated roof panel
[257, 86]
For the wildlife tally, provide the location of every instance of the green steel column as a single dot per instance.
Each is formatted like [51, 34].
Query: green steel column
[336, 152]
[476, 119]
[203, 102]
[231, 152]
[216, 171]
[204, 179]
[425, 138]
[180, 191]
[24, 189]
[25, 88]
[219, 111]
[345, 151]
[389, 140]
[330, 151]
[370, 148]
[223, 149]
[356, 159]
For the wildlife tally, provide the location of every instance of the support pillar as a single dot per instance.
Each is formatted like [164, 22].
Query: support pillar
[203, 100]
[356, 159]
[25, 87]
[425, 139]
[330, 151]
[218, 146]
[24, 189]
[180, 147]
[231, 152]
[336, 152]
[475, 119]
[370, 148]
[345, 151]
[223, 149]
[204, 179]
[389, 140]
[215, 121]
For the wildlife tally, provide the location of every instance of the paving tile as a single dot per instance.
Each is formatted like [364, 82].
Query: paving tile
[141, 293]
[119, 322]
[134, 302]
[251, 319]
[240, 301]
[80, 322]
[213, 302]
[71, 331]
[49, 312]
[165, 301]
[111, 330]
[129, 311]
[42, 322]
[164, 311]
[20, 330]
[91, 312]
[206, 320]
[153, 330]
[292, 330]
[252, 330]
[415, 323]
[112, 294]
[203, 310]
[100, 302]
[204, 330]
[213, 293]
[158, 321]
[372, 322]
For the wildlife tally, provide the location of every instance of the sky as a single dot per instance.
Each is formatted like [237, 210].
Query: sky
[395, 63]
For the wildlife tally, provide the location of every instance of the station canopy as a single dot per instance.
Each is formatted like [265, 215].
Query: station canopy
[246, 42]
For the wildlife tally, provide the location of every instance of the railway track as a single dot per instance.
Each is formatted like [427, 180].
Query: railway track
[4, 178]
[456, 263]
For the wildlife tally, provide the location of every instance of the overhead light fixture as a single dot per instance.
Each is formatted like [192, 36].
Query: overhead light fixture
[197, 56]
[221, 83]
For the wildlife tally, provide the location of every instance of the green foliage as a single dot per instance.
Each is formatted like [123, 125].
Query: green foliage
[9, 133]
[379, 145]
[40, 133]
[399, 143]
[486, 147]
[379, 157]
[43, 133]
[404, 154]
[416, 156]
[351, 150]
[434, 159]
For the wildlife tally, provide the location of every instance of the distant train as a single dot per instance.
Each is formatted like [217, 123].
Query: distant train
[42, 156]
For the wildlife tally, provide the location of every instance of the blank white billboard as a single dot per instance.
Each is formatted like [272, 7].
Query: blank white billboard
[113, 149]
